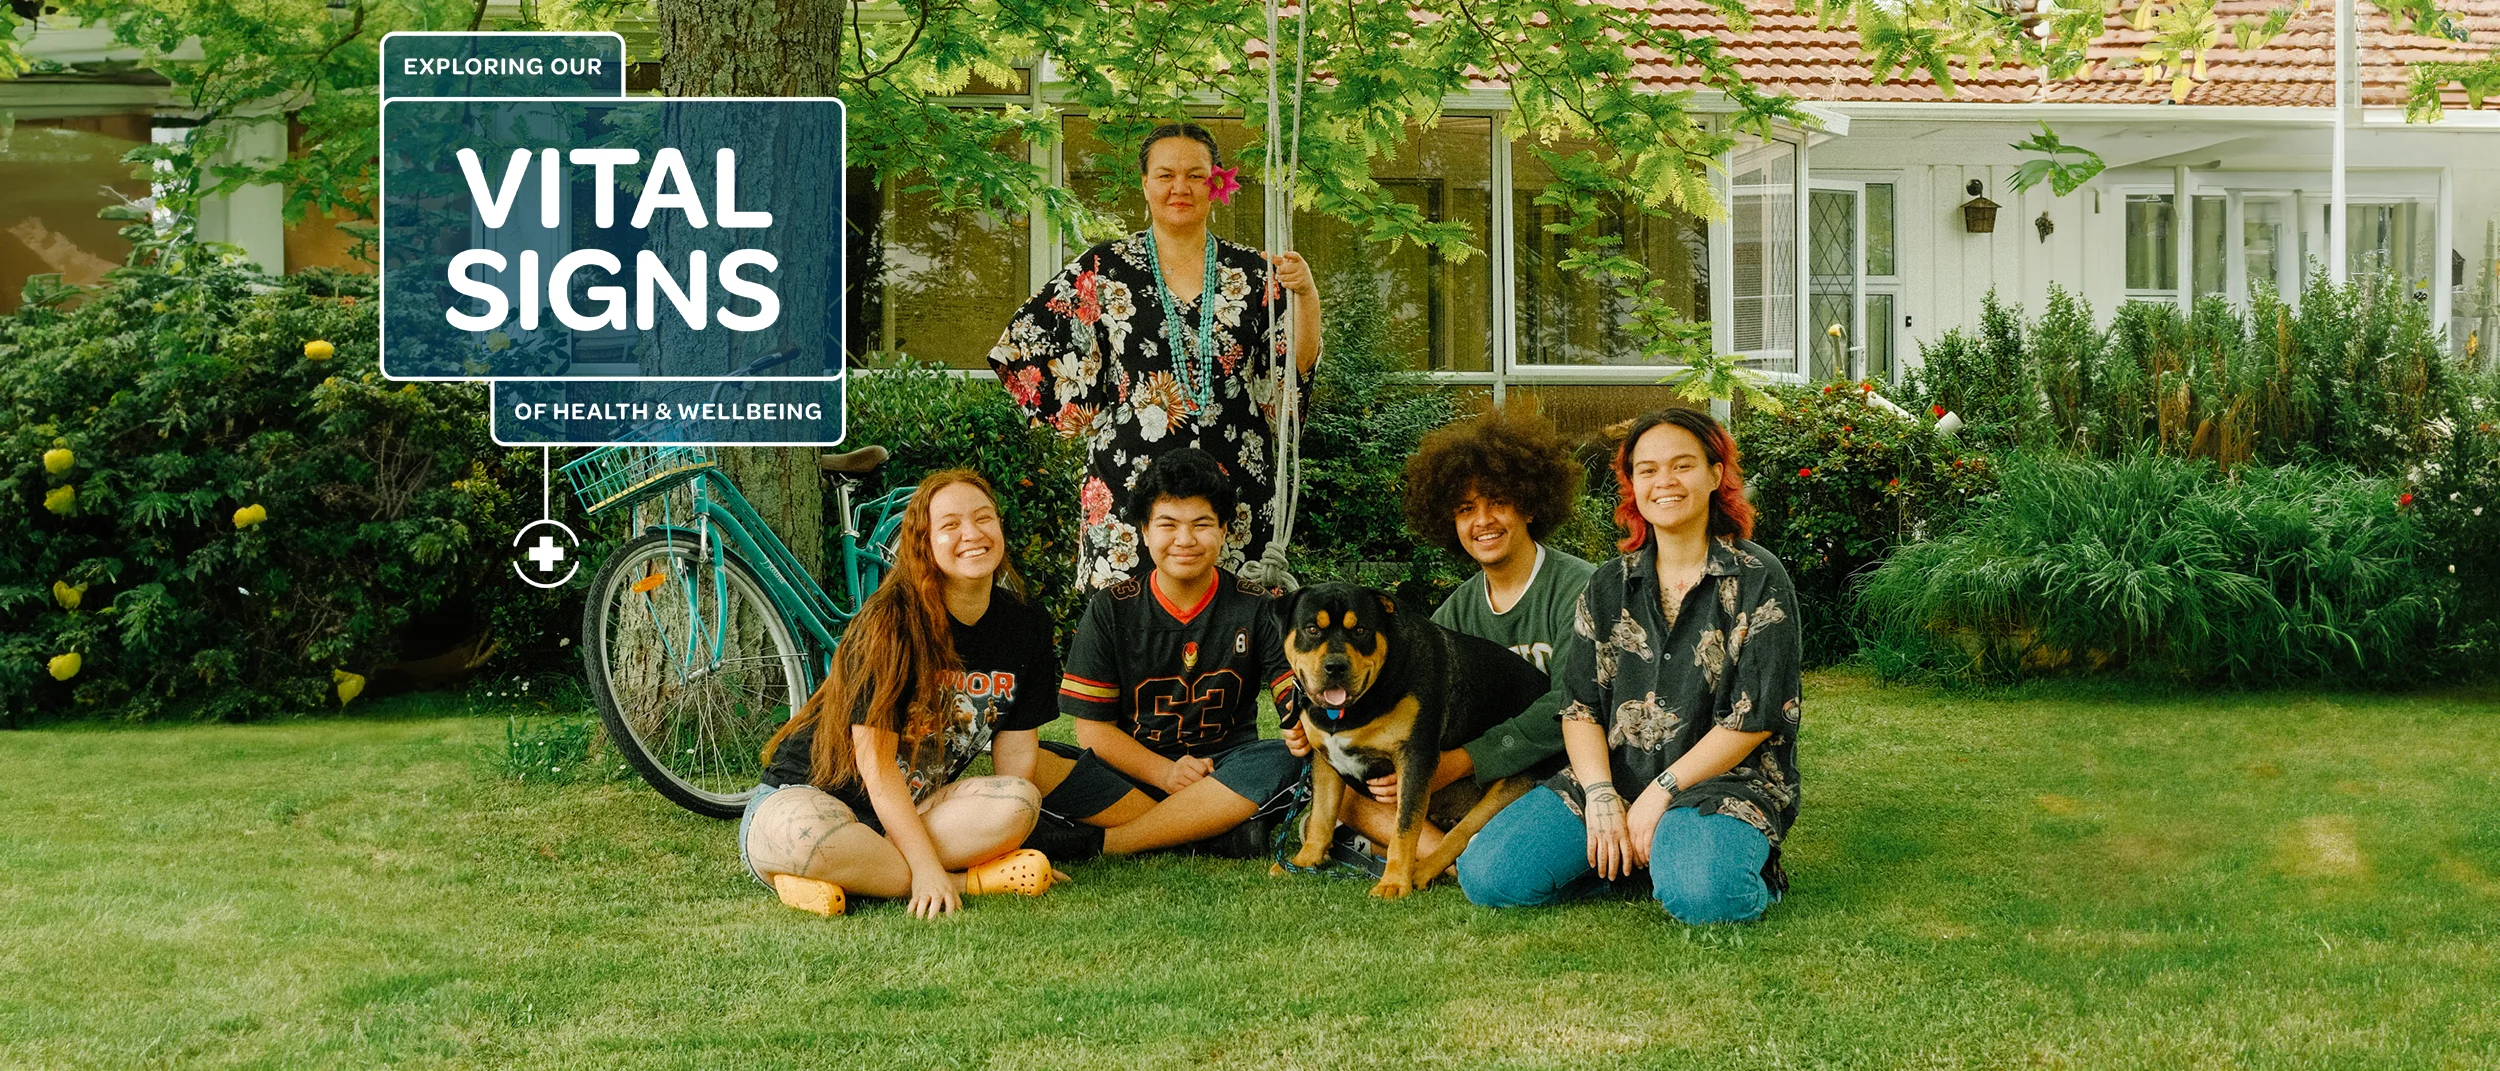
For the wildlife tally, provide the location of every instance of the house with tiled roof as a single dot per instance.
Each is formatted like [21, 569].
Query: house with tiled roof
[1847, 242]
[1910, 217]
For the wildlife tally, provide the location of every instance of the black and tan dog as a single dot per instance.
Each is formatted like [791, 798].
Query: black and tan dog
[1384, 690]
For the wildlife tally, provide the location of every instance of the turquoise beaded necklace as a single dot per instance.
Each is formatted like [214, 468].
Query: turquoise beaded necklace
[1193, 360]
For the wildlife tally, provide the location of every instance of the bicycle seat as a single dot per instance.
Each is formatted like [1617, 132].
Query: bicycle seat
[858, 462]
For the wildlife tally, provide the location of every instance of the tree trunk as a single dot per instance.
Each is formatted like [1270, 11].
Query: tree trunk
[781, 48]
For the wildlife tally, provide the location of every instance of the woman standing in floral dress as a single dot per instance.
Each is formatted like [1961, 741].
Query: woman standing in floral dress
[1161, 340]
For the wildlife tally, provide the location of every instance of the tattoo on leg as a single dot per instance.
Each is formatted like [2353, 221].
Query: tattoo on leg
[813, 831]
[1004, 789]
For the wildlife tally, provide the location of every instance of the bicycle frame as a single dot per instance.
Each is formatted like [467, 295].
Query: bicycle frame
[794, 591]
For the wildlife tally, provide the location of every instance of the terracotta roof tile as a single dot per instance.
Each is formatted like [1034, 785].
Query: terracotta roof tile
[1785, 51]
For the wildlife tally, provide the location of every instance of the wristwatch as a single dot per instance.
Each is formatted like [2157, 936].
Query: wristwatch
[1666, 780]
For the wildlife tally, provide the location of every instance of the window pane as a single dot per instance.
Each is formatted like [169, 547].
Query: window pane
[1762, 211]
[1832, 257]
[2212, 244]
[1564, 319]
[1445, 172]
[2152, 259]
[933, 284]
[2264, 243]
[58, 173]
[1879, 317]
[1879, 228]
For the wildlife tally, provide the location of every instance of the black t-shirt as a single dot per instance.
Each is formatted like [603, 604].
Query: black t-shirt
[1181, 680]
[1009, 666]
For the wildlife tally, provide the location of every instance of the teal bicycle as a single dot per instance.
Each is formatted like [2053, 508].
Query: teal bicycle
[704, 633]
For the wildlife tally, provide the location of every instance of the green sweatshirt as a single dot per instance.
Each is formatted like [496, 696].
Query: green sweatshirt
[1536, 627]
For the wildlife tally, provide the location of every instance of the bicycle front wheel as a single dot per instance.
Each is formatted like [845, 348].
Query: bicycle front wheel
[693, 668]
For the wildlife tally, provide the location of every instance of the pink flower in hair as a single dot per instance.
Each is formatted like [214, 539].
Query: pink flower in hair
[1221, 183]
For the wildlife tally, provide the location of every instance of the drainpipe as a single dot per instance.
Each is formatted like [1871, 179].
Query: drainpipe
[2335, 205]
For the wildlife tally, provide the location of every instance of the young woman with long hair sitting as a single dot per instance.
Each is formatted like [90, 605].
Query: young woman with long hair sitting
[860, 790]
[1682, 704]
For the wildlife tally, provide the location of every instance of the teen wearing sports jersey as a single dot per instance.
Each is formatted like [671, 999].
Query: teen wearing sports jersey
[1491, 488]
[860, 789]
[1163, 678]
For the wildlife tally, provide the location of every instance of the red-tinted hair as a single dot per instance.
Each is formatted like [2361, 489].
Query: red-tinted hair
[900, 645]
[1730, 514]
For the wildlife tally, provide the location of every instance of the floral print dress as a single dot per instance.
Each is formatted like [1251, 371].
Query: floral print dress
[1657, 677]
[1087, 356]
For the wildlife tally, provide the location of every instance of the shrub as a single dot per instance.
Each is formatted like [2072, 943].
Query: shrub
[1368, 413]
[2457, 493]
[183, 393]
[1837, 484]
[2149, 562]
[930, 420]
[2355, 376]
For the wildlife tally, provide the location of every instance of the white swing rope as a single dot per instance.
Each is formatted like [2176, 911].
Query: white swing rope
[1270, 570]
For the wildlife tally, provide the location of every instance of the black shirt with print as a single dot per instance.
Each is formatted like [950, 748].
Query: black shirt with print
[1658, 677]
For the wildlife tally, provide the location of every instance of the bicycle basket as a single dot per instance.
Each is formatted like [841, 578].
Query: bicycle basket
[622, 475]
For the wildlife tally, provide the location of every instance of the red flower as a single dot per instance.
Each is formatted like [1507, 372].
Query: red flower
[1848, 427]
[1221, 184]
[1805, 472]
[2405, 499]
[1867, 386]
[1936, 409]
[1827, 389]
[1893, 482]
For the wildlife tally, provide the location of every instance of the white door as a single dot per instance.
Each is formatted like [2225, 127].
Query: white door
[1836, 244]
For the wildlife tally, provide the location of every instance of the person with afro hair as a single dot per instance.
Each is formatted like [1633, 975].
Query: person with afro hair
[1492, 488]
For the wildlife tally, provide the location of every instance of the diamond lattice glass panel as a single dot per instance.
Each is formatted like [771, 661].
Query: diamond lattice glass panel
[1835, 235]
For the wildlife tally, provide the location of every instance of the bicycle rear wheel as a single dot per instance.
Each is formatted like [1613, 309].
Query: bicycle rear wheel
[691, 676]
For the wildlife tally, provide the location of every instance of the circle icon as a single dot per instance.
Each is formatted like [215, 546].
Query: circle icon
[537, 564]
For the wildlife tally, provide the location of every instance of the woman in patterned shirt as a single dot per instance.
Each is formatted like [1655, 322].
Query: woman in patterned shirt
[1685, 695]
[1163, 339]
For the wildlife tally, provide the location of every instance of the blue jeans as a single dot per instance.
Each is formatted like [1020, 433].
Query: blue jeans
[1702, 868]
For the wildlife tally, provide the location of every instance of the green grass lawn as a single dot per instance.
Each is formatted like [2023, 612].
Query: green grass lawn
[2053, 878]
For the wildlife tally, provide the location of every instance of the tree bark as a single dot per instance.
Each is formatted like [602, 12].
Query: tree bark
[776, 48]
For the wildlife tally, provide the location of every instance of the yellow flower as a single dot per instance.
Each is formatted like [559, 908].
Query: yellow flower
[65, 666]
[66, 595]
[250, 515]
[350, 685]
[319, 350]
[58, 460]
[497, 342]
[62, 500]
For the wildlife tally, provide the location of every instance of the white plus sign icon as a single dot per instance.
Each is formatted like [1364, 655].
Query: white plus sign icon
[547, 553]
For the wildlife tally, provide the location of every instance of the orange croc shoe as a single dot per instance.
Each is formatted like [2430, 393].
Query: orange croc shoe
[1021, 871]
[809, 894]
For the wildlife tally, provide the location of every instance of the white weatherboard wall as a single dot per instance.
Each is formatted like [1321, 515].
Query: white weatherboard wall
[1946, 273]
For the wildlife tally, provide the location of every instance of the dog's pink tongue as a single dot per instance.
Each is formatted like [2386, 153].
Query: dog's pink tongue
[1333, 698]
